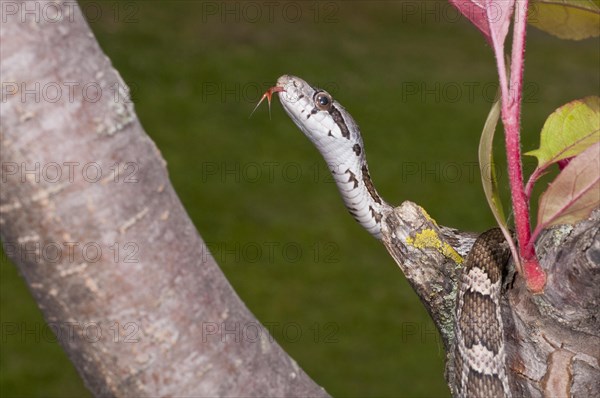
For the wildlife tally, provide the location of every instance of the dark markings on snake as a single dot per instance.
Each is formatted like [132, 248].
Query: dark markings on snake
[479, 384]
[312, 112]
[339, 120]
[357, 149]
[479, 325]
[369, 184]
[329, 133]
[376, 216]
[484, 256]
[301, 96]
[352, 178]
[354, 212]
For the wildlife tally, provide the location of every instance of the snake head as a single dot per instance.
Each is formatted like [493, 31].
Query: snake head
[320, 117]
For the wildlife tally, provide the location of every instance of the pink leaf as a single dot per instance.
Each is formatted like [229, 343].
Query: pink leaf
[491, 17]
[574, 193]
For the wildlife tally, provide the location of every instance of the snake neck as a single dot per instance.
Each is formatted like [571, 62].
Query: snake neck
[354, 183]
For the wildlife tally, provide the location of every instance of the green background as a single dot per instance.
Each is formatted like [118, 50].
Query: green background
[419, 81]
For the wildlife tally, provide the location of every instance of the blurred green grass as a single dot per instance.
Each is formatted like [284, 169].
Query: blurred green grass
[195, 78]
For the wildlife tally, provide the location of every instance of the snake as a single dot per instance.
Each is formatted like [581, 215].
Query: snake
[479, 347]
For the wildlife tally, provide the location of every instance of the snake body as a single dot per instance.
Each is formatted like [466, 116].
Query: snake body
[479, 358]
[479, 355]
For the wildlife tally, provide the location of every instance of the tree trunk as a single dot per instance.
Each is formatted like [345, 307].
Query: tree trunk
[89, 216]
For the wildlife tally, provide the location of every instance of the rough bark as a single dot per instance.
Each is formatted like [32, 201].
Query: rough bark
[115, 263]
[553, 339]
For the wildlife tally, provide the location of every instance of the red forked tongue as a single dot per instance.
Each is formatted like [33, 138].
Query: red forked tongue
[268, 94]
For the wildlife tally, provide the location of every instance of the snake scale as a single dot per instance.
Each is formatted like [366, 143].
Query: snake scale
[479, 359]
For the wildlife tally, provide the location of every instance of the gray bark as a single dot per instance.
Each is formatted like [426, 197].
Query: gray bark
[114, 262]
[553, 339]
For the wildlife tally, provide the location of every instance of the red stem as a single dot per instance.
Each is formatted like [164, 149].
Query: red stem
[511, 118]
[515, 174]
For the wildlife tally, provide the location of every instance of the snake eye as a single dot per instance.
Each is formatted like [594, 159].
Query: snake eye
[323, 101]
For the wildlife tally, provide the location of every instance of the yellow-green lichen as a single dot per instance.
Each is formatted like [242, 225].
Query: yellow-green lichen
[429, 239]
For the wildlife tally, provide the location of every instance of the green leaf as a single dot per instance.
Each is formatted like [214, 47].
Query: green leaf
[566, 19]
[568, 131]
[574, 193]
[488, 174]
[487, 166]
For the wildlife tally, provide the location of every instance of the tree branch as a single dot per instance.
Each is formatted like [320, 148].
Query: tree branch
[552, 338]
